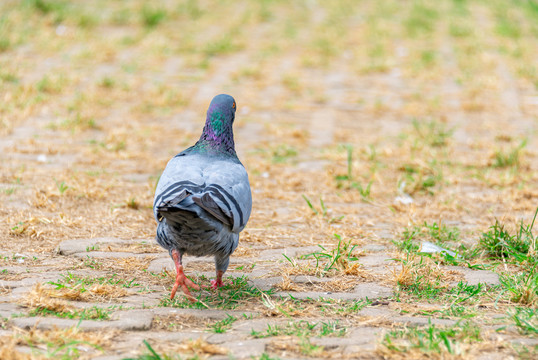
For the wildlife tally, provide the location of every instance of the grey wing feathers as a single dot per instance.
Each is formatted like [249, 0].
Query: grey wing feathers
[207, 203]
[220, 187]
[228, 186]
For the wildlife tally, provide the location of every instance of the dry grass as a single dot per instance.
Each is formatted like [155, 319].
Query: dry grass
[95, 97]
[426, 271]
[55, 299]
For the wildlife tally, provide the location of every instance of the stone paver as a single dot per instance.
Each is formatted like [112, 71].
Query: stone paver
[334, 99]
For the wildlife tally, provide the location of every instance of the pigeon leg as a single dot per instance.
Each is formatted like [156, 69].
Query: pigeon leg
[215, 284]
[181, 279]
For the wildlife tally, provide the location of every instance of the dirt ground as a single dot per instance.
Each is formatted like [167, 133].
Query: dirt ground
[368, 129]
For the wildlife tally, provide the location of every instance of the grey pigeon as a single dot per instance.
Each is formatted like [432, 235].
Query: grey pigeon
[203, 198]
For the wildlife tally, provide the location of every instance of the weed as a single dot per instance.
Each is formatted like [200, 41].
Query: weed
[153, 355]
[460, 30]
[338, 259]
[420, 178]
[9, 191]
[431, 339]
[407, 243]
[323, 211]
[453, 311]
[440, 234]
[95, 247]
[133, 204]
[107, 82]
[283, 153]
[292, 83]
[510, 157]
[231, 295]
[69, 350]
[522, 286]
[72, 281]
[526, 319]
[61, 186]
[91, 313]
[421, 20]
[421, 277]
[508, 27]
[432, 133]
[5, 42]
[78, 122]
[223, 325]
[266, 356]
[304, 329]
[498, 243]
[50, 85]
[92, 263]
[364, 191]
[221, 46]
[309, 349]
[151, 17]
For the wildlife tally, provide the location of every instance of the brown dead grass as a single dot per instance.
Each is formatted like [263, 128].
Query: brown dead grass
[200, 347]
[120, 100]
[423, 271]
[179, 322]
[8, 349]
[47, 340]
[55, 299]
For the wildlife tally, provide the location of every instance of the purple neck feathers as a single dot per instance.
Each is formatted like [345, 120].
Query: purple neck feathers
[217, 135]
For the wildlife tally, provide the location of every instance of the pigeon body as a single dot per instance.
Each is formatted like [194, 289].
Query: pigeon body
[203, 198]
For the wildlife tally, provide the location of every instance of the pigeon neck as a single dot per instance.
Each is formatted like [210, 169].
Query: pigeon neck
[217, 135]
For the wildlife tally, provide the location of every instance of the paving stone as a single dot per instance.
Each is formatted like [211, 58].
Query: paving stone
[175, 336]
[132, 320]
[375, 260]
[247, 349]
[8, 309]
[224, 338]
[306, 279]
[29, 281]
[72, 246]
[374, 248]
[376, 312]
[164, 263]
[475, 277]
[266, 284]
[258, 325]
[316, 295]
[276, 254]
[203, 313]
[525, 341]
[112, 255]
[493, 356]
[415, 320]
[372, 291]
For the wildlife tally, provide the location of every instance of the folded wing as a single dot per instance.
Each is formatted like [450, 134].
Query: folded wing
[219, 187]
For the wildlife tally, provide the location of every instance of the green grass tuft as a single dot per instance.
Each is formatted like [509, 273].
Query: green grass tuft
[433, 339]
[235, 292]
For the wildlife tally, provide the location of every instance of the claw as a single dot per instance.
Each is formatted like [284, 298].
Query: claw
[181, 279]
[216, 283]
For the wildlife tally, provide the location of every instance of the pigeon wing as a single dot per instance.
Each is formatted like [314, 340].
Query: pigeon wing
[227, 194]
[181, 177]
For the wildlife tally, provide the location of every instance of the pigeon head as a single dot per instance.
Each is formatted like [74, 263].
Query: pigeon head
[218, 131]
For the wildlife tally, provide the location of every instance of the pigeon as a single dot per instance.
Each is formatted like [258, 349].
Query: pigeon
[203, 198]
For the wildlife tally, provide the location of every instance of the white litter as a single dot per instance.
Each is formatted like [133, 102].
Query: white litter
[430, 248]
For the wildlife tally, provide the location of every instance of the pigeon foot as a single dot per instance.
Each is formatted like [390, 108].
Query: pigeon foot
[181, 279]
[216, 283]
[185, 283]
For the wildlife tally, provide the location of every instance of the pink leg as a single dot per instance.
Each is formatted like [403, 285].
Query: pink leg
[181, 279]
[215, 284]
